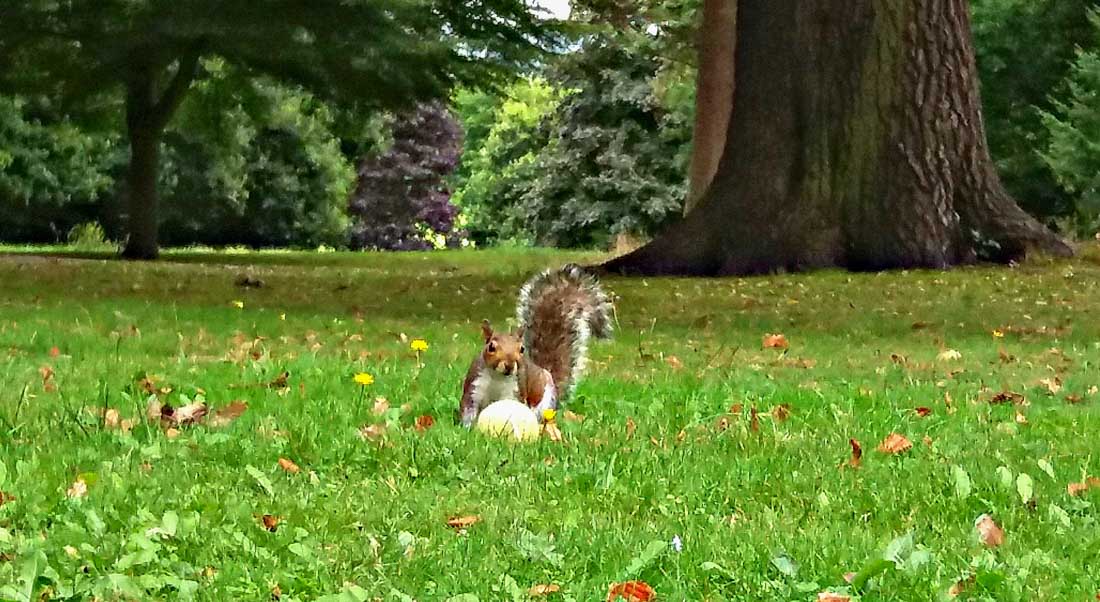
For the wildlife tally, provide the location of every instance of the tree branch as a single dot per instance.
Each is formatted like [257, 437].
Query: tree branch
[187, 69]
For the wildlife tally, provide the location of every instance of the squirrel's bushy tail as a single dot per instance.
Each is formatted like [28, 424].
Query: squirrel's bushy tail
[559, 311]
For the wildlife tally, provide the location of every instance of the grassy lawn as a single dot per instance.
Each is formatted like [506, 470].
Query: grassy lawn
[765, 508]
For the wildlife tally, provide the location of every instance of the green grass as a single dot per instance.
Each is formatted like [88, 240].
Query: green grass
[765, 514]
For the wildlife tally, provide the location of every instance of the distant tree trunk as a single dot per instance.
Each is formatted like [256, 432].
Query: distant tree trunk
[856, 140]
[713, 95]
[146, 118]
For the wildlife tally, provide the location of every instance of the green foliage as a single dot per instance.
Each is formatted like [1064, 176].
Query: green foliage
[503, 140]
[1025, 49]
[598, 145]
[52, 173]
[762, 508]
[89, 236]
[256, 163]
[1073, 129]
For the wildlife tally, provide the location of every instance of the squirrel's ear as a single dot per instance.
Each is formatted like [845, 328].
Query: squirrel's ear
[486, 330]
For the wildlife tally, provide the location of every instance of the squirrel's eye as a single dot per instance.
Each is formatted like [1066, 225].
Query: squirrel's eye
[492, 346]
[522, 349]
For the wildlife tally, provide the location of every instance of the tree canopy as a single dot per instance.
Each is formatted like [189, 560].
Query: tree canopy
[82, 53]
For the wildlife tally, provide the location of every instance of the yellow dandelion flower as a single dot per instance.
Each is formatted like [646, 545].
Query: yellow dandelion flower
[998, 334]
[364, 379]
[418, 345]
[282, 316]
[549, 415]
[238, 304]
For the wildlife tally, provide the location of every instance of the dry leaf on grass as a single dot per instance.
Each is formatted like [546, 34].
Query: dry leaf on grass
[1007, 397]
[775, 341]
[572, 416]
[1053, 384]
[960, 586]
[923, 411]
[832, 597]
[1075, 489]
[781, 412]
[631, 426]
[5, 498]
[54, 351]
[424, 422]
[270, 522]
[754, 420]
[289, 466]
[989, 533]
[948, 355]
[78, 489]
[172, 433]
[543, 590]
[223, 416]
[631, 591]
[674, 362]
[381, 405]
[1020, 418]
[552, 431]
[895, 444]
[462, 522]
[857, 454]
[372, 432]
[722, 424]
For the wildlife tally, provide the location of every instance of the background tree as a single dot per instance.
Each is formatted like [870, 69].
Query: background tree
[871, 155]
[359, 51]
[1025, 51]
[402, 201]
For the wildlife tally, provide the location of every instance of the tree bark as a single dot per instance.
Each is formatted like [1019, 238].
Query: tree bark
[146, 118]
[713, 95]
[856, 141]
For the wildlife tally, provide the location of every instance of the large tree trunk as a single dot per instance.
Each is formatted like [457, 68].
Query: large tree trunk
[141, 201]
[713, 95]
[146, 117]
[856, 140]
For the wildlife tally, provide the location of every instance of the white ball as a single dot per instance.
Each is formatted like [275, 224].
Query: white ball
[508, 417]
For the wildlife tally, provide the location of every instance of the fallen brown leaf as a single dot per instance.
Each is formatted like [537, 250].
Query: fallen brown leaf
[54, 351]
[949, 355]
[1020, 418]
[736, 408]
[1074, 399]
[1073, 489]
[960, 586]
[631, 591]
[895, 444]
[462, 522]
[424, 422]
[187, 414]
[276, 592]
[5, 498]
[832, 597]
[775, 341]
[78, 489]
[1007, 397]
[543, 590]
[1053, 384]
[722, 424]
[781, 412]
[270, 522]
[572, 416]
[674, 362]
[172, 433]
[552, 431]
[630, 427]
[289, 466]
[857, 454]
[281, 381]
[223, 416]
[381, 405]
[372, 431]
[923, 411]
[754, 420]
[989, 532]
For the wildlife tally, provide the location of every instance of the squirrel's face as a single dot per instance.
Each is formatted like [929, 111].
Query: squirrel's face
[503, 351]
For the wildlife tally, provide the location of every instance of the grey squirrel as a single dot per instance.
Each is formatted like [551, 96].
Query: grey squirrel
[558, 311]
